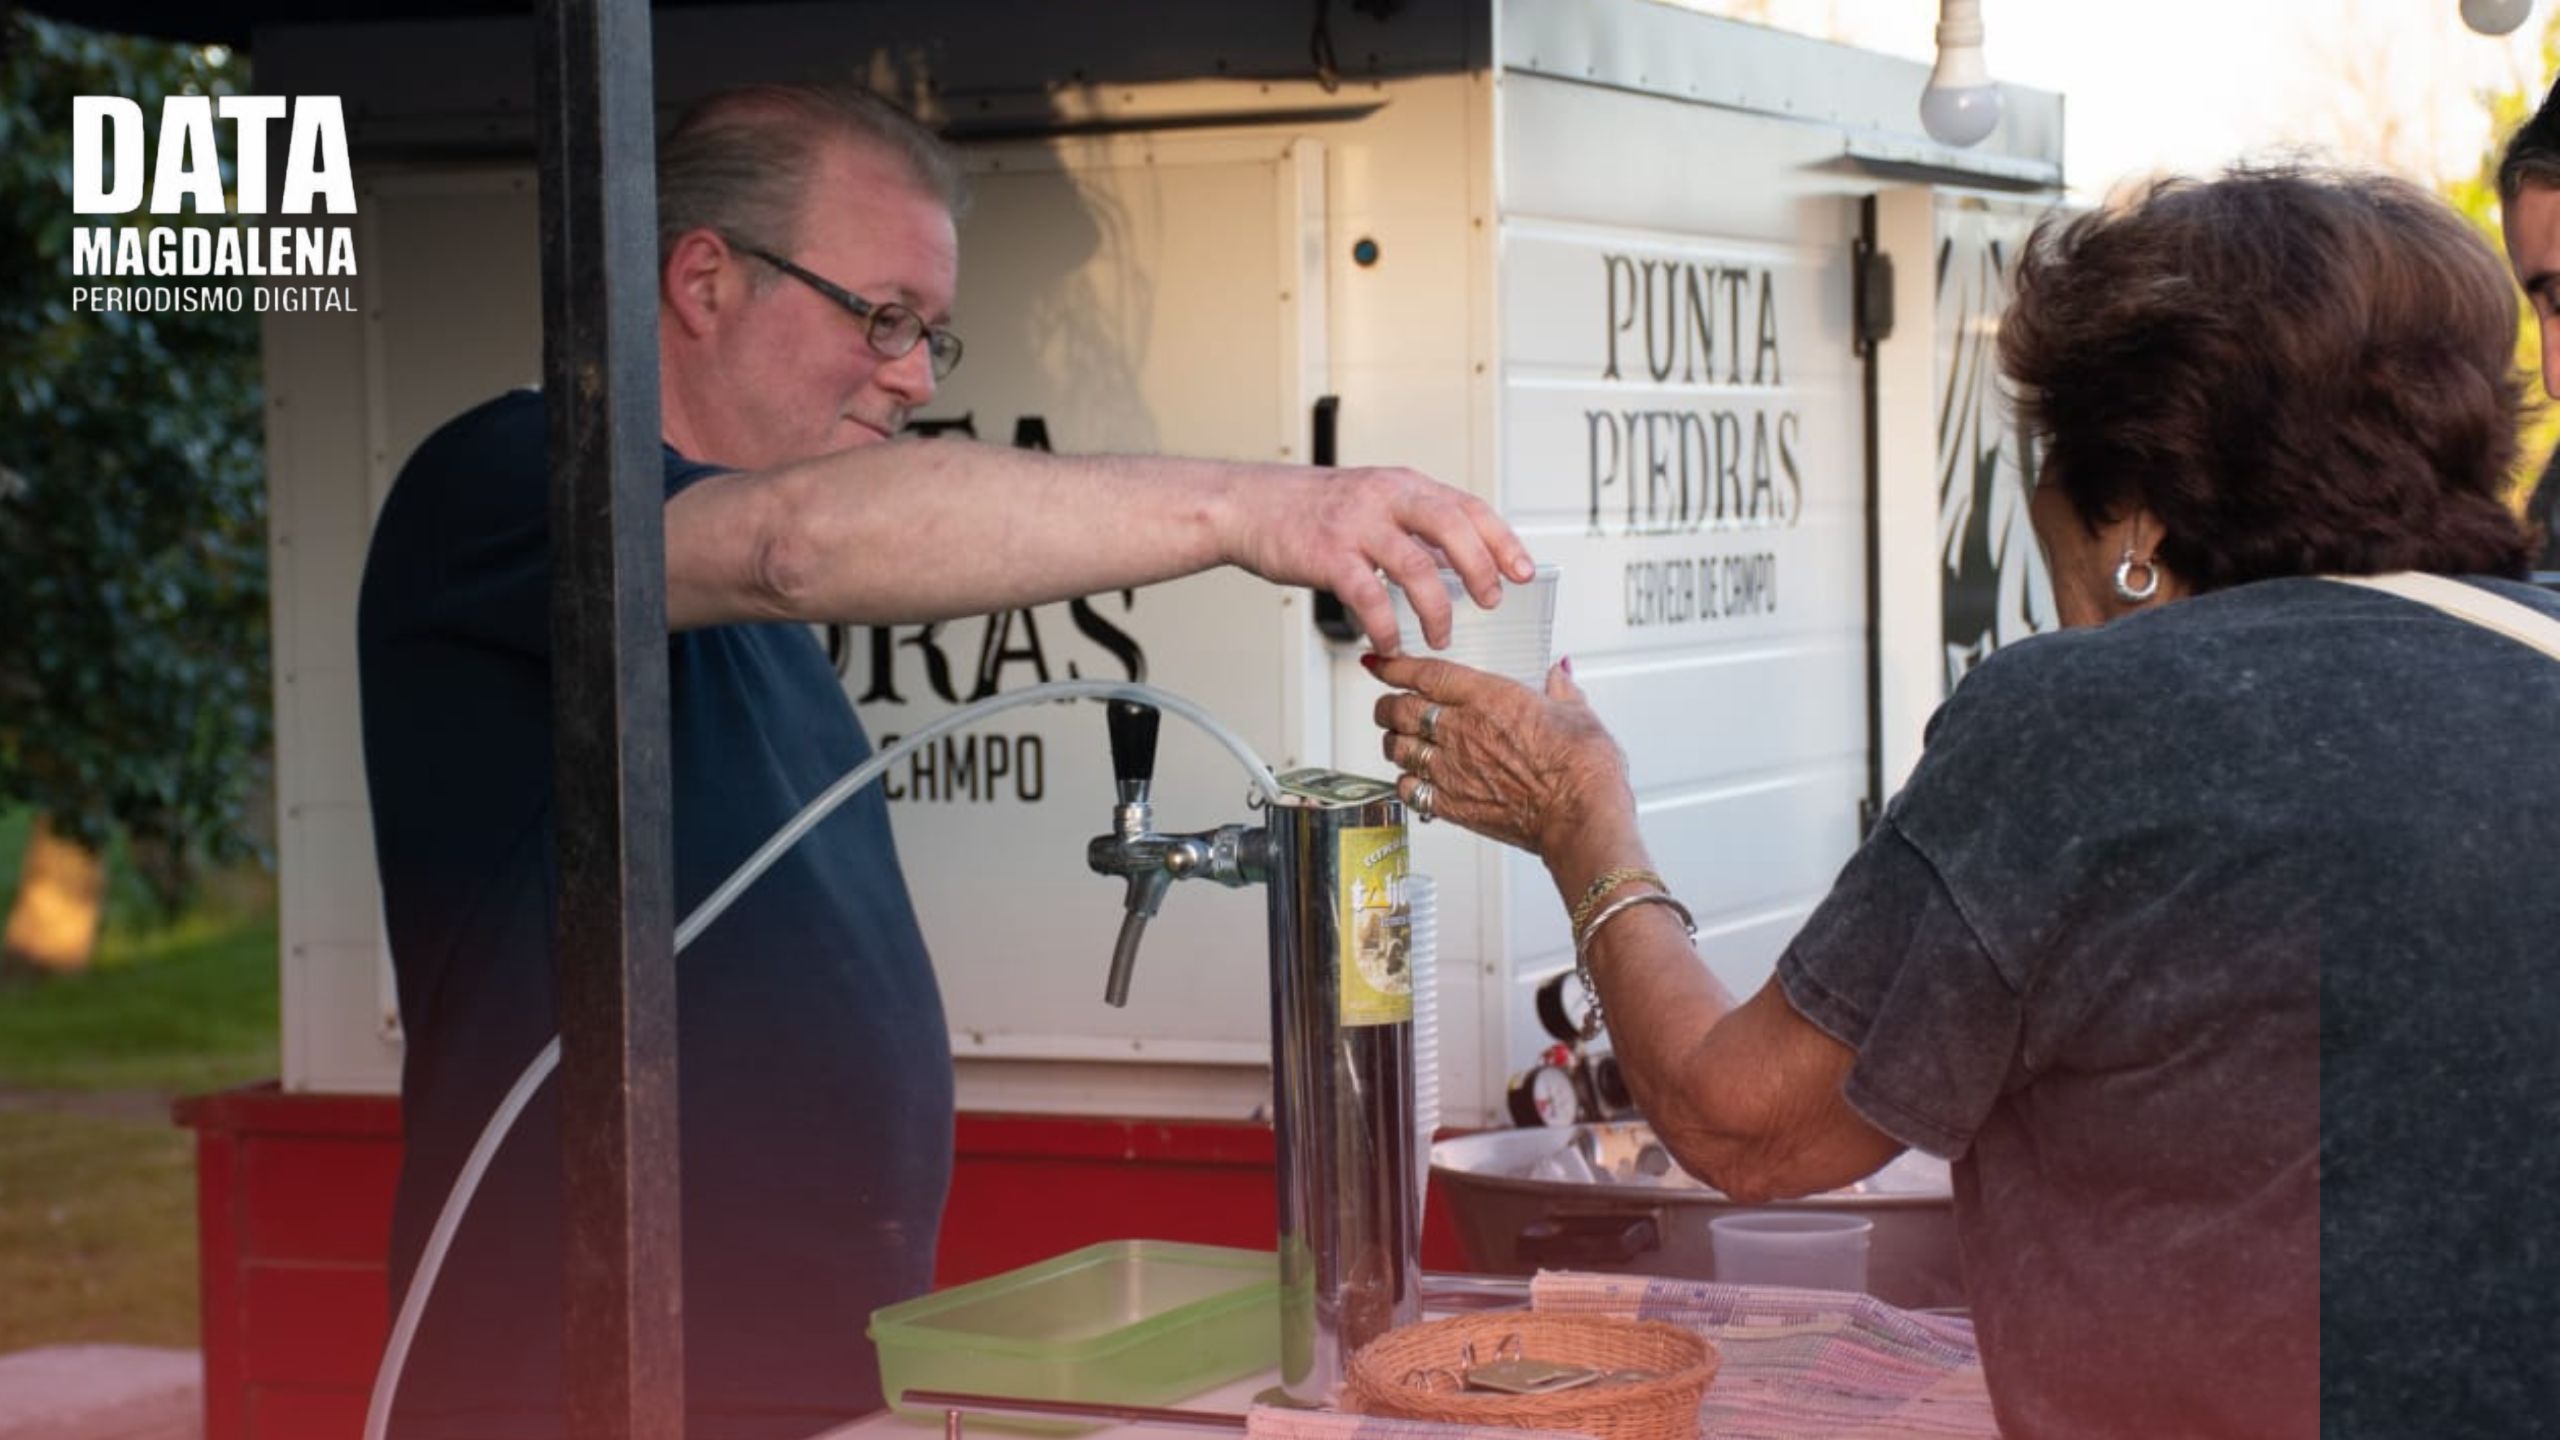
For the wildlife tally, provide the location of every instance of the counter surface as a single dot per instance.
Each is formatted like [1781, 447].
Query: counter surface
[1231, 1399]
[1795, 1364]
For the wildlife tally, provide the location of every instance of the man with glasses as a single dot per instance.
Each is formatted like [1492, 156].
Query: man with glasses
[808, 264]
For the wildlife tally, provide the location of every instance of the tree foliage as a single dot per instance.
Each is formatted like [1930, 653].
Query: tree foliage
[133, 577]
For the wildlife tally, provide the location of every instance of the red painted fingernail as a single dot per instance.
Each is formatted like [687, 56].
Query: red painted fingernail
[1370, 663]
[1567, 663]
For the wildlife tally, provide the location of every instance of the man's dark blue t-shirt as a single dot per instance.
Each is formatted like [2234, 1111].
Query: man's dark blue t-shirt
[814, 1063]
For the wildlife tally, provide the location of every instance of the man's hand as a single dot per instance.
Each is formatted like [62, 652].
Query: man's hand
[1337, 529]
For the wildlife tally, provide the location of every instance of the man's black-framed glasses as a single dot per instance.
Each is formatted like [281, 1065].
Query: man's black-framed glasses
[891, 328]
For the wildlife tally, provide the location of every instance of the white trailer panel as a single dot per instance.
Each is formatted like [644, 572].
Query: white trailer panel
[1164, 260]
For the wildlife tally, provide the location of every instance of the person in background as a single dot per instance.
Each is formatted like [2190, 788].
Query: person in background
[2529, 217]
[2212, 935]
[807, 273]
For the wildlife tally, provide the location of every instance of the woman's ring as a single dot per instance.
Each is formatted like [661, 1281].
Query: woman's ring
[1423, 796]
[1431, 723]
[1421, 761]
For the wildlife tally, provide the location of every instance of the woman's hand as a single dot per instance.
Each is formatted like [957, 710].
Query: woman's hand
[1536, 771]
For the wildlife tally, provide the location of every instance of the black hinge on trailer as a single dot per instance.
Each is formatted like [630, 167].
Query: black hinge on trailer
[1872, 302]
[1871, 311]
[1333, 622]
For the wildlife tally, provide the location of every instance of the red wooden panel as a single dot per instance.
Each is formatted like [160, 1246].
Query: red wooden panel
[1010, 1212]
[294, 1195]
[265, 1107]
[218, 1286]
[315, 1324]
[318, 1199]
[1025, 1187]
[1205, 1142]
[1440, 1248]
[298, 1412]
[294, 1174]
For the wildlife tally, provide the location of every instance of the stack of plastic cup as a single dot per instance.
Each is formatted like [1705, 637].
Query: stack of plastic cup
[1421, 897]
[1512, 639]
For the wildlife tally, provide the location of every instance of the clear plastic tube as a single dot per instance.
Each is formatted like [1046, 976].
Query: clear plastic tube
[466, 1183]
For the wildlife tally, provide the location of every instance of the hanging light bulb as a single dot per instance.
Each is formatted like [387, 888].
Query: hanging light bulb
[2495, 17]
[1961, 104]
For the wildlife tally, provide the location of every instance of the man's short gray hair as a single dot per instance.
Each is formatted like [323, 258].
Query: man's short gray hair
[741, 162]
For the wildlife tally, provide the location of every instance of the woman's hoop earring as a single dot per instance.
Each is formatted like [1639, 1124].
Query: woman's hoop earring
[2126, 590]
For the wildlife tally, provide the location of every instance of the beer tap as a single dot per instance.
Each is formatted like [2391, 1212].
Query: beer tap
[1332, 854]
[1231, 855]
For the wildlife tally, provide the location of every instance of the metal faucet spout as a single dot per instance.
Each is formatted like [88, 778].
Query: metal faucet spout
[1146, 893]
[1230, 855]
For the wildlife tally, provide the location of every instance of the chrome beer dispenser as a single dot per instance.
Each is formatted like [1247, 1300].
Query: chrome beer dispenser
[1334, 853]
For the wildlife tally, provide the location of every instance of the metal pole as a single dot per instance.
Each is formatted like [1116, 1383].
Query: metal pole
[613, 929]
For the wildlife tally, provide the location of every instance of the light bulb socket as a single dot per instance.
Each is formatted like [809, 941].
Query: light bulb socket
[1959, 23]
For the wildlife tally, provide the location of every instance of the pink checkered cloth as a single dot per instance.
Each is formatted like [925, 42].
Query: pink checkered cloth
[1798, 1365]
[1802, 1364]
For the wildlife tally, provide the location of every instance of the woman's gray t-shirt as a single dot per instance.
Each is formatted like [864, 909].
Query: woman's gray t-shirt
[2214, 945]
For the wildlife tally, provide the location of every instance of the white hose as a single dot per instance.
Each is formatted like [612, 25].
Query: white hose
[404, 1329]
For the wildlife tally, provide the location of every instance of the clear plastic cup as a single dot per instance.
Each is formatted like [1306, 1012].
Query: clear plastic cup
[1512, 639]
[1806, 1249]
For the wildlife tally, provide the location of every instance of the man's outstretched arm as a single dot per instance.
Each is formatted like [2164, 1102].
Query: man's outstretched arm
[914, 530]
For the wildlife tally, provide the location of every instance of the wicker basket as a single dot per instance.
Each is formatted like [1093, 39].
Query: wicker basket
[1664, 1408]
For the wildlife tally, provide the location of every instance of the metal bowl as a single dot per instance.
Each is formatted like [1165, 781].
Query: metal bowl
[1609, 1197]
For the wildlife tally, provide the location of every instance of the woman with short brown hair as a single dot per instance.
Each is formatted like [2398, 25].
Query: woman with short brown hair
[2294, 373]
[2212, 927]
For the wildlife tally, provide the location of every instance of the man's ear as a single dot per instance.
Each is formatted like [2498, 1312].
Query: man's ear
[700, 281]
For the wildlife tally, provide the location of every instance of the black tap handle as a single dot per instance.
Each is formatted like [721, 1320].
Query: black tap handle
[1133, 742]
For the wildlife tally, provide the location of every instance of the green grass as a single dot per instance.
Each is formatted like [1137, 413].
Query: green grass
[97, 1183]
[170, 1004]
[188, 1008]
[97, 1231]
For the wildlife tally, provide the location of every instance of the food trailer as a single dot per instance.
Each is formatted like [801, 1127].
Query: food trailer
[1693, 303]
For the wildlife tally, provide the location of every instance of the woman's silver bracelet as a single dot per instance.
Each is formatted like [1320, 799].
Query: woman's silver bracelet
[1591, 1018]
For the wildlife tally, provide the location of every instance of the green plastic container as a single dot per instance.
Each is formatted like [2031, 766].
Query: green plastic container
[1127, 1322]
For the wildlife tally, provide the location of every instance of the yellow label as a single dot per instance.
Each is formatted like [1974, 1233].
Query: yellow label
[1377, 927]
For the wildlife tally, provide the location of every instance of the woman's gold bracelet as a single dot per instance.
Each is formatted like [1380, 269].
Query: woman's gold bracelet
[1592, 1020]
[1610, 880]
